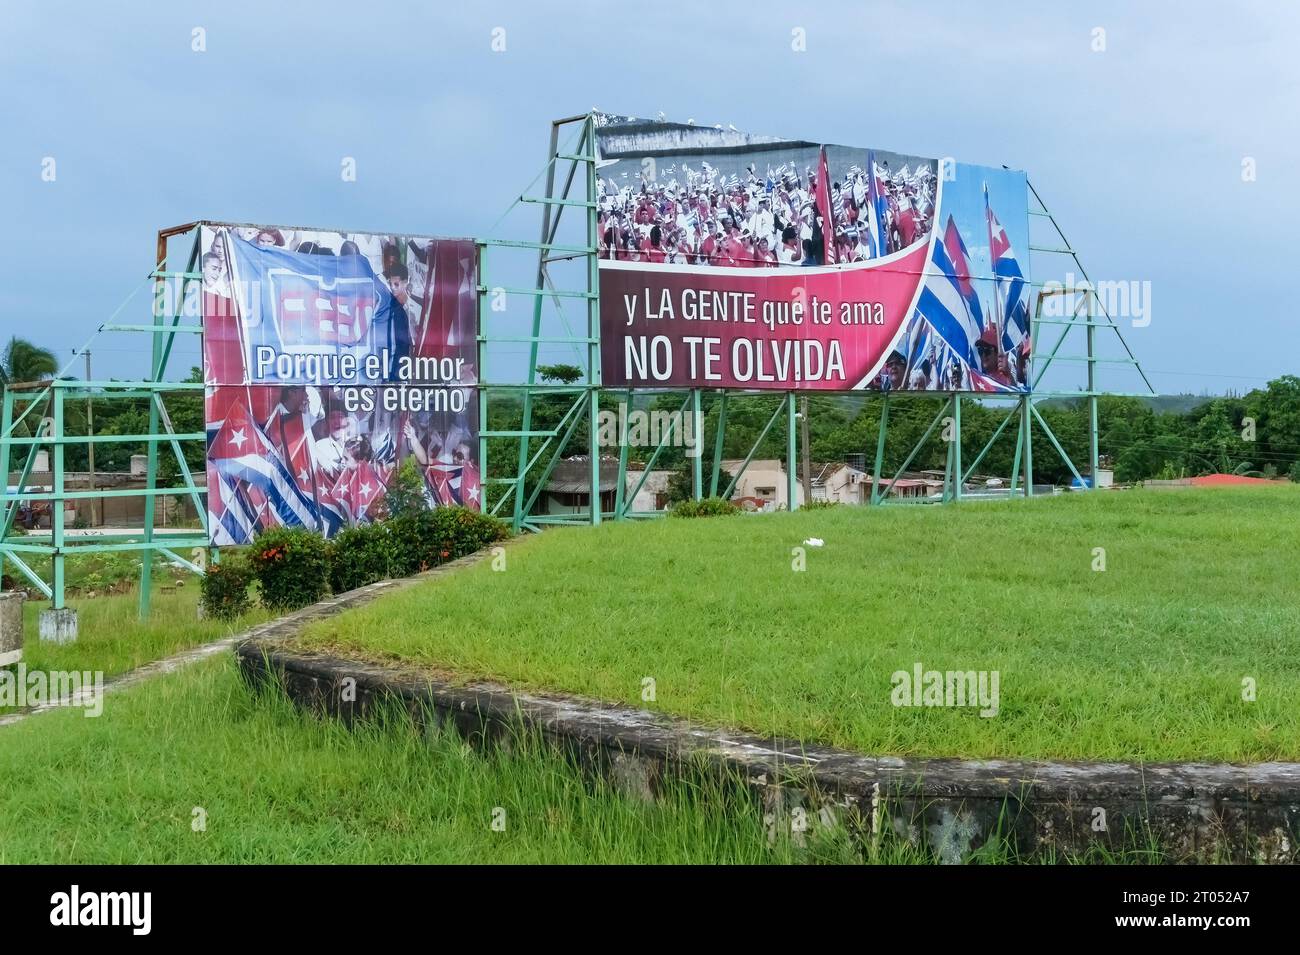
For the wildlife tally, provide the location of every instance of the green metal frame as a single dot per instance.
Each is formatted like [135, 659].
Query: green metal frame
[21, 399]
[569, 181]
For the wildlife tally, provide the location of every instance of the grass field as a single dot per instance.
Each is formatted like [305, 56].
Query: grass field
[112, 639]
[1144, 660]
[191, 767]
[277, 786]
[103, 588]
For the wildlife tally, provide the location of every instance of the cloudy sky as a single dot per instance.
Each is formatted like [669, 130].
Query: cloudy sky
[1138, 148]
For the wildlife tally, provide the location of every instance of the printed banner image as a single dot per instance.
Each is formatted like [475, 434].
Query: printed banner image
[730, 260]
[327, 366]
[294, 456]
[331, 308]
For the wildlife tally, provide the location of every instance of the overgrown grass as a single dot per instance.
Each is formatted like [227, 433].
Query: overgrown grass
[112, 638]
[1144, 660]
[192, 767]
[274, 785]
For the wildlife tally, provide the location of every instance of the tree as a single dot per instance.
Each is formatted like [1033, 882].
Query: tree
[21, 361]
[564, 374]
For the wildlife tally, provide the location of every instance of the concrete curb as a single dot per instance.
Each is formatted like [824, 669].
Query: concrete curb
[1191, 811]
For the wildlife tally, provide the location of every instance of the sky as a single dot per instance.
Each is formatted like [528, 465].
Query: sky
[1161, 135]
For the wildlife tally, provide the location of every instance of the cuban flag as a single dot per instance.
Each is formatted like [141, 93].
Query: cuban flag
[824, 208]
[234, 518]
[357, 492]
[291, 434]
[960, 259]
[450, 484]
[944, 306]
[1009, 283]
[879, 205]
[241, 454]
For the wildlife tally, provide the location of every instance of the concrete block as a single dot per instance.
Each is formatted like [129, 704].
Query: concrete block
[58, 626]
[11, 628]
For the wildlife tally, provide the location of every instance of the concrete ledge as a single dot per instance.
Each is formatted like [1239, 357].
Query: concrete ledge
[1191, 812]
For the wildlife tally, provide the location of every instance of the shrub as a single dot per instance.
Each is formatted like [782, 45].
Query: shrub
[360, 556]
[708, 507]
[223, 590]
[292, 567]
[432, 537]
[817, 505]
[405, 492]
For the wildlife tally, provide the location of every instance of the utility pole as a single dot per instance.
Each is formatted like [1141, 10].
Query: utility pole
[90, 444]
[807, 460]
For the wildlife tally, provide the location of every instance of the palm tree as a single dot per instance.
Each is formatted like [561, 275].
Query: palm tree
[22, 361]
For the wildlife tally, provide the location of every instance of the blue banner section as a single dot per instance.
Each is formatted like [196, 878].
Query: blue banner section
[314, 317]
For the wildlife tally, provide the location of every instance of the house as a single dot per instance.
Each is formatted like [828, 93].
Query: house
[913, 488]
[568, 490]
[653, 493]
[841, 484]
[763, 484]
[112, 511]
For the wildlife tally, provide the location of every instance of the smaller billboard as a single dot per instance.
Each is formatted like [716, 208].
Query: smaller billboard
[330, 358]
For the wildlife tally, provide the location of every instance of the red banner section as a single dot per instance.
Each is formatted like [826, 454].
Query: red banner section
[819, 329]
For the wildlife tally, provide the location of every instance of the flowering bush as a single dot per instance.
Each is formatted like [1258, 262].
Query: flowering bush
[223, 590]
[709, 507]
[292, 567]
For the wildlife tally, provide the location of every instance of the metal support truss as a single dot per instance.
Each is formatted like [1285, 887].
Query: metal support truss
[569, 177]
[569, 182]
[33, 419]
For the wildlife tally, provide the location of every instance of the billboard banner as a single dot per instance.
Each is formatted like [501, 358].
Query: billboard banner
[329, 359]
[737, 261]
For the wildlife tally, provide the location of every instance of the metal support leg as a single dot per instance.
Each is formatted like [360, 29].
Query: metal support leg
[697, 435]
[880, 450]
[620, 490]
[791, 453]
[1027, 429]
[593, 422]
[956, 448]
[1092, 395]
[717, 445]
[56, 506]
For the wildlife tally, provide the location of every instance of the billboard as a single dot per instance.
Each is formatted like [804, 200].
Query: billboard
[737, 261]
[329, 358]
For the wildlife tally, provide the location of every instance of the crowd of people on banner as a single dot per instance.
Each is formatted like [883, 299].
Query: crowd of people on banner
[326, 461]
[422, 274]
[690, 215]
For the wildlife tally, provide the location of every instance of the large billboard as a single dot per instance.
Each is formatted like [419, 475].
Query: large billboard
[737, 261]
[330, 358]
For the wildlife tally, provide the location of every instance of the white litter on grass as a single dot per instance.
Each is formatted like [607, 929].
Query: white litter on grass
[814, 542]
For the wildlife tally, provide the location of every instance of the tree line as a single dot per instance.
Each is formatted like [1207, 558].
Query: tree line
[1256, 433]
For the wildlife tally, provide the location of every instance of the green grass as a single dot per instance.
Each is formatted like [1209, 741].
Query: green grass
[112, 639]
[278, 786]
[1142, 661]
